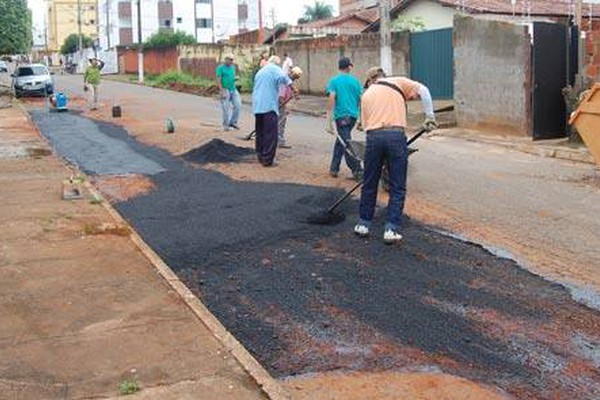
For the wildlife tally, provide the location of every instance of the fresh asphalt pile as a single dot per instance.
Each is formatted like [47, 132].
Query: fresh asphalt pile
[218, 151]
[305, 298]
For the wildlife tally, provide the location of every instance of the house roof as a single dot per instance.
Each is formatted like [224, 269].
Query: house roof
[550, 8]
[368, 16]
[536, 8]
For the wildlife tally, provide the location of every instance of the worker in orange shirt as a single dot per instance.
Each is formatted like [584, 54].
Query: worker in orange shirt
[383, 117]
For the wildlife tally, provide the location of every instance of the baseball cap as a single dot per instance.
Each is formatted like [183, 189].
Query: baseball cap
[374, 72]
[344, 63]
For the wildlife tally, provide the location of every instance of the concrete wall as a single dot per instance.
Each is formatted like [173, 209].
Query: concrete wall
[318, 57]
[492, 66]
[202, 59]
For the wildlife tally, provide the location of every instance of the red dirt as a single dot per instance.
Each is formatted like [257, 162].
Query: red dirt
[123, 187]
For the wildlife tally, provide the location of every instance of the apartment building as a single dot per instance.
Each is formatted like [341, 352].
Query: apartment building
[208, 21]
[65, 17]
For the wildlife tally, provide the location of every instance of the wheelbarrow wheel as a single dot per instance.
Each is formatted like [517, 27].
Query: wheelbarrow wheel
[384, 180]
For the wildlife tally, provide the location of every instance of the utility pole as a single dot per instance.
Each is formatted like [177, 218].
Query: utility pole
[581, 38]
[261, 33]
[79, 30]
[212, 21]
[272, 15]
[386, 37]
[108, 24]
[140, 44]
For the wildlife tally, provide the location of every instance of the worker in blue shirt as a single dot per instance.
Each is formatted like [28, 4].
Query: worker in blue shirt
[265, 106]
[343, 91]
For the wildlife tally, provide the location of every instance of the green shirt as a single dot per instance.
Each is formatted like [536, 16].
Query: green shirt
[226, 75]
[92, 75]
[347, 91]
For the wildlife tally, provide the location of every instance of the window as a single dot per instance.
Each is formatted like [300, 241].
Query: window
[204, 23]
[204, 1]
[242, 11]
[179, 20]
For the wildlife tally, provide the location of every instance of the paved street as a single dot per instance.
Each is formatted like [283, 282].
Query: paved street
[540, 210]
[308, 299]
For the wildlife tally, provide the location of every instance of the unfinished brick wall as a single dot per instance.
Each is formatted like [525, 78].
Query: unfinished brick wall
[492, 67]
[593, 50]
[318, 57]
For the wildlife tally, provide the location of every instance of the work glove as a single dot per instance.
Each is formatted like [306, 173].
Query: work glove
[359, 126]
[430, 124]
[329, 125]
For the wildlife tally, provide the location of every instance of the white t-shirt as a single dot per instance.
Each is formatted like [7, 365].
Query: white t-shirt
[287, 65]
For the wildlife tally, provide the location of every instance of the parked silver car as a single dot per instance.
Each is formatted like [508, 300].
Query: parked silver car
[3, 66]
[32, 79]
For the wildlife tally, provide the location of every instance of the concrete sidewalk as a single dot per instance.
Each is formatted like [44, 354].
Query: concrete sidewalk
[83, 309]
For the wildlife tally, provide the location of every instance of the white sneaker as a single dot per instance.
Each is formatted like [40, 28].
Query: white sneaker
[361, 230]
[391, 236]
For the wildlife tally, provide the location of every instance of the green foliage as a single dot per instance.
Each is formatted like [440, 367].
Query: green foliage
[71, 43]
[15, 27]
[316, 12]
[247, 74]
[168, 38]
[129, 386]
[403, 24]
[173, 77]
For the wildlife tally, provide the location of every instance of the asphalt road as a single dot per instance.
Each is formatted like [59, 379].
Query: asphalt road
[542, 210]
[313, 299]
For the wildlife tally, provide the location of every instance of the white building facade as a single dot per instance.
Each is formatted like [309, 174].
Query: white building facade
[209, 21]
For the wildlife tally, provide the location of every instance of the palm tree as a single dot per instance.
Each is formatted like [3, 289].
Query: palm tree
[318, 11]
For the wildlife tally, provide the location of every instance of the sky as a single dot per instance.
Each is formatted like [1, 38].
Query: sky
[290, 10]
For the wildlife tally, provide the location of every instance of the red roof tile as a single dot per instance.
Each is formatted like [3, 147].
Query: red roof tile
[533, 7]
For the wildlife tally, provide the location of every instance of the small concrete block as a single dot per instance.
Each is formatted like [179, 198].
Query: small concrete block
[72, 191]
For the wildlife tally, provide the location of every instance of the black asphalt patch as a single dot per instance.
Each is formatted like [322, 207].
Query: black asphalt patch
[217, 151]
[82, 142]
[305, 298]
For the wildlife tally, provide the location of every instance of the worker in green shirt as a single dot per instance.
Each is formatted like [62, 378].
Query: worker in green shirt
[230, 97]
[91, 81]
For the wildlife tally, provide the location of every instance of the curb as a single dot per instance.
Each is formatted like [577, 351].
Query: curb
[560, 153]
[269, 386]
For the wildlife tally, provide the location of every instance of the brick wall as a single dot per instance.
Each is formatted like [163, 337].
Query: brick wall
[156, 61]
[593, 50]
[492, 66]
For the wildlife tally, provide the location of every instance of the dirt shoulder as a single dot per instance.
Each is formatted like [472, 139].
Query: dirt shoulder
[83, 310]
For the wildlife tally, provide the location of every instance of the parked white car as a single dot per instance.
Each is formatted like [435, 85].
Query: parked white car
[32, 79]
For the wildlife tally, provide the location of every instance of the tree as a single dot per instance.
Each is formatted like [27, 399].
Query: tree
[71, 43]
[317, 12]
[15, 27]
[168, 38]
[403, 24]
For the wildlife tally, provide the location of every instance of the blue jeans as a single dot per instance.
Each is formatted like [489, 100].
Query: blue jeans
[231, 102]
[344, 128]
[389, 147]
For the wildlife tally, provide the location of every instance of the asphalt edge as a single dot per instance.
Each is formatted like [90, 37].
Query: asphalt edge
[249, 364]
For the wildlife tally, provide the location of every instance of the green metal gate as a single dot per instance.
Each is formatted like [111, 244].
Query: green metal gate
[431, 61]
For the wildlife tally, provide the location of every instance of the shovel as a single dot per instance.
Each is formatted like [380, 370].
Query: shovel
[330, 216]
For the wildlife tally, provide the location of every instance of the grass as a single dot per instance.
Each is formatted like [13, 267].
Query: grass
[129, 386]
[174, 77]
